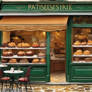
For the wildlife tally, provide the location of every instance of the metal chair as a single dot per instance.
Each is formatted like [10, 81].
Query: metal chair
[26, 79]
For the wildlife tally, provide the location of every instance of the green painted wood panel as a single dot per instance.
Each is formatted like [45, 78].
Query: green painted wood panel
[46, 7]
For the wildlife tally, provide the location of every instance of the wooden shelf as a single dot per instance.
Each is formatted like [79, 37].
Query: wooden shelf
[22, 48]
[15, 56]
[81, 45]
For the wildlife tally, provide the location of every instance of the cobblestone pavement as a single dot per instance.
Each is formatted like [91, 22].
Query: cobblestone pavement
[58, 88]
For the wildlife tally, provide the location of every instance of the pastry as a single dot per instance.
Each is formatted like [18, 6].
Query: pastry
[29, 53]
[35, 45]
[19, 45]
[78, 52]
[76, 59]
[88, 59]
[42, 60]
[26, 45]
[7, 53]
[77, 43]
[4, 61]
[83, 43]
[41, 54]
[4, 45]
[12, 61]
[42, 44]
[24, 61]
[35, 61]
[23, 45]
[86, 52]
[89, 42]
[11, 44]
[21, 53]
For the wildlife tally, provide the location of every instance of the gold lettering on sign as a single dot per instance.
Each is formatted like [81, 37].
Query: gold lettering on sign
[47, 7]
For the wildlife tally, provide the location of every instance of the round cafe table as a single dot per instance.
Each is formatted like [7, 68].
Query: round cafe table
[12, 74]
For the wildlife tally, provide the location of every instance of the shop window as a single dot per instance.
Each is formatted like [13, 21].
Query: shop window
[82, 45]
[82, 20]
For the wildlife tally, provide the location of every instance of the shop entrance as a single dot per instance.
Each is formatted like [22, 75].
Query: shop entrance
[58, 56]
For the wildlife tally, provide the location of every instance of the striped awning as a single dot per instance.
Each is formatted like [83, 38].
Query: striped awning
[35, 23]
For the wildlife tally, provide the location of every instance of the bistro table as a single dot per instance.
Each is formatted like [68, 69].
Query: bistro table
[12, 73]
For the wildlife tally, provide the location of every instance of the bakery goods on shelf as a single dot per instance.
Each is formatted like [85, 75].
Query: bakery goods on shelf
[78, 52]
[4, 44]
[83, 43]
[24, 60]
[11, 44]
[77, 43]
[21, 53]
[7, 53]
[4, 60]
[29, 53]
[42, 44]
[88, 59]
[12, 61]
[41, 54]
[23, 45]
[89, 42]
[35, 61]
[86, 52]
[42, 60]
[35, 44]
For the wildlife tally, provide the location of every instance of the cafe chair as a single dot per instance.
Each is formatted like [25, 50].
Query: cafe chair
[4, 79]
[26, 79]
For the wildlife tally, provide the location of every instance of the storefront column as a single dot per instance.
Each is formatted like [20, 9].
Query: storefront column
[48, 56]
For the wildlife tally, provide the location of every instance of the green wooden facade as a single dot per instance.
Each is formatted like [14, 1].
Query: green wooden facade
[74, 72]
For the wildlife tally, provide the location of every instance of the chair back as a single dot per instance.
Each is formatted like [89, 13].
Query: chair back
[28, 72]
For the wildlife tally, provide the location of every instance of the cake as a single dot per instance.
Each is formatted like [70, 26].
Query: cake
[29, 53]
[42, 60]
[77, 43]
[86, 52]
[78, 52]
[89, 42]
[11, 44]
[12, 61]
[35, 61]
[35, 45]
[21, 53]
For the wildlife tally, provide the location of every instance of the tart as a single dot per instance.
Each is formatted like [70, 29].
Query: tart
[11, 44]
[86, 52]
[29, 53]
[77, 43]
[89, 42]
[12, 61]
[35, 61]
[78, 52]
[21, 53]
[42, 60]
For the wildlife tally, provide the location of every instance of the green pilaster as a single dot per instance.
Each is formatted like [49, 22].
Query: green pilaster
[48, 56]
[68, 49]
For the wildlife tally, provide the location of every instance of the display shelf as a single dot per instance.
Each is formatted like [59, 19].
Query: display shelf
[23, 48]
[15, 56]
[81, 62]
[82, 55]
[81, 45]
[24, 63]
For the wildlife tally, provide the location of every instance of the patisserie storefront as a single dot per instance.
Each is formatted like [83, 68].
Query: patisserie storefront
[54, 37]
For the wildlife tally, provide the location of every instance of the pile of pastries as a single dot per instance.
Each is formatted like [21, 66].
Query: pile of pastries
[23, 44]
[83, 59]
[24, 60]
[89, 42]
[81, 52]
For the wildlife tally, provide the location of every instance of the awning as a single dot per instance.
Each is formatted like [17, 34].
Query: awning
[35, 23]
